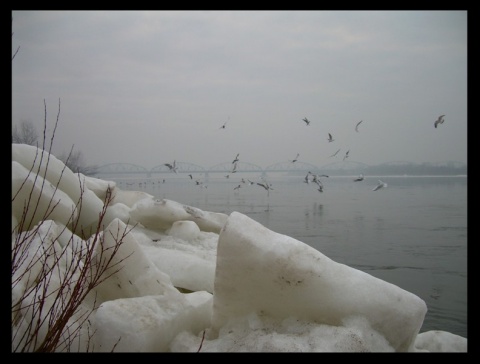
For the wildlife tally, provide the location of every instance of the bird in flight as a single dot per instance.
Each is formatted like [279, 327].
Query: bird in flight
[296, 158]
[346, 155]
[249, 182]
[381, 184]
[307, 122]
[330, 138]
[224, 124]
[440, 120]
[306, 180]
[356, 126]
[316, 180]
[236, 159]
[172, 166]
[267, 186]
[334, 154]
[236, 188]
[359, 178]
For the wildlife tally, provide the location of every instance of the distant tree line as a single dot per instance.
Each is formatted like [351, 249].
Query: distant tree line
[412, 169]
[26, 133]
[415, 169]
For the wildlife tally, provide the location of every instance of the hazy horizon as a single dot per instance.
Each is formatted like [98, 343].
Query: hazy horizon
[150, 87]
[342, 165]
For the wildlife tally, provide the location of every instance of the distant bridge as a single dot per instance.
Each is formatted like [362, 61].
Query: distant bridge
[228, 167]
[121, 168]
[128, 169]
[292, 167]
[182, 167]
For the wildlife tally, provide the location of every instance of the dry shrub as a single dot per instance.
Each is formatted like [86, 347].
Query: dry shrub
[55, 272]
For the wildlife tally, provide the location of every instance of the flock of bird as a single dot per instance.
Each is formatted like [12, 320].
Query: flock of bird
[309, 178]
[315, 178]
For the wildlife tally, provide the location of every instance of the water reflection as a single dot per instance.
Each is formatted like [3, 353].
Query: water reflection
[416, 226]
[317, 209]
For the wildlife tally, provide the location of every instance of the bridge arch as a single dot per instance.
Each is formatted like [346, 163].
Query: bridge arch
[345, 165]
[182, 167]
[120, 168]
[226, 167]
[291, 167]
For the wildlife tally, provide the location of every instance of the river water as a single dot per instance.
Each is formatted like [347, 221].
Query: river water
[413, 233]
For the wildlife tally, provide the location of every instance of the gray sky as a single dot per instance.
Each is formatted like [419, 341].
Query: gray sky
[150, 87]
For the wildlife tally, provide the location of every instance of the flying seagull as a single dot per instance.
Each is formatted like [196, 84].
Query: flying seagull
[306, 180]
[346, 155]
[315, 180]
[267, 186]
[330, 138]
[249, 182]
[356, 126]
[296, 158]
[172, 166]
[225, 124]
[440, 120]
[307, 122]
[359, 178]
[334, 154]
[381, 184]
[319, 183]
[236, 159]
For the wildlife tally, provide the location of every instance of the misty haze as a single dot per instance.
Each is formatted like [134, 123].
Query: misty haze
[305, 169]
[150, 87]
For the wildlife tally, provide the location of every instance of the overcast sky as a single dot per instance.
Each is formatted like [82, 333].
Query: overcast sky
[156, 86]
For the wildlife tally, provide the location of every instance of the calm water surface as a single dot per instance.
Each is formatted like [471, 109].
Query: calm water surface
[412, 233]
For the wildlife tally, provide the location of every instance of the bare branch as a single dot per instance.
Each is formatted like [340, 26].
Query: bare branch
[51, 281]
[201, 342]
